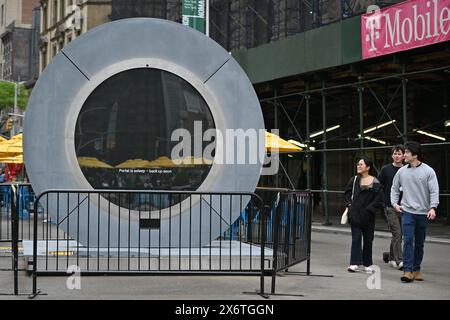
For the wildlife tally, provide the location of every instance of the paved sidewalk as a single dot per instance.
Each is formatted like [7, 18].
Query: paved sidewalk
[329, 280]
[437, 231]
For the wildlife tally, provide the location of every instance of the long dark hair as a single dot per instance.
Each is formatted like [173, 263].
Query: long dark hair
[369, 162]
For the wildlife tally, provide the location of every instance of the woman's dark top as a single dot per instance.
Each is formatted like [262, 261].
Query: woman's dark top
[366, 202]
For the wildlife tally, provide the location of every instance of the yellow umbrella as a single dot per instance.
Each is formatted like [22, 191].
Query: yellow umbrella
[189, 161]
[17, 159]
[13, 145]
[134, 164]
[163, 162]
[275, 144]
[90, 162]
[203, 161]
[17, 137]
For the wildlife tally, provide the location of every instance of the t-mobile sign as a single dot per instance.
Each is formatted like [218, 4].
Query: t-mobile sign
[409, 25]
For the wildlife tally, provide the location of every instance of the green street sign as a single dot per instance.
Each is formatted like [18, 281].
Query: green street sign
[194, 14]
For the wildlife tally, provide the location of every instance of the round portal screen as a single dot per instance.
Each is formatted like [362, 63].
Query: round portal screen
[123, 136]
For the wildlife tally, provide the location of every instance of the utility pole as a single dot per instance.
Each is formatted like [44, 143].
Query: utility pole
[16, 93]
[207, 18]
[2, 63]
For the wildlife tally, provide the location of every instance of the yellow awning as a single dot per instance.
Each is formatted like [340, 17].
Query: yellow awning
[276, 144]
[90, 162]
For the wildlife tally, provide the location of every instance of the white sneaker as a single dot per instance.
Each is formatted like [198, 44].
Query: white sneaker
[353, 268]
[400, 265]
[393, 264]
[368, 270]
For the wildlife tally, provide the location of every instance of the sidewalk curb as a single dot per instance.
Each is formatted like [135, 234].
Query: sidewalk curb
[378, 234]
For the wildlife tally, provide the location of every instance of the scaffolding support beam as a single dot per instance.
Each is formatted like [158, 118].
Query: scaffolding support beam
[308, 151]
[361, 113]
[275, 124]
[325, 156]
[353, 84]
[405, 105]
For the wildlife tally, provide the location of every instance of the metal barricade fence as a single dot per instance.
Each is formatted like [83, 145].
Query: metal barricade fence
[288, 232]
[24, 197]
[291, 232]
[113, 243]
[267, 236]
[16, 218]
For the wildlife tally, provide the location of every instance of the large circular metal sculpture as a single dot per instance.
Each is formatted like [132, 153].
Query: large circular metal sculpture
[111, 94]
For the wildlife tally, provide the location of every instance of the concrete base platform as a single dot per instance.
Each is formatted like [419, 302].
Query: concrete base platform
[57, 256]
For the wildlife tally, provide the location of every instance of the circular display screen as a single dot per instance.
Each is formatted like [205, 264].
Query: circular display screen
[123, 136]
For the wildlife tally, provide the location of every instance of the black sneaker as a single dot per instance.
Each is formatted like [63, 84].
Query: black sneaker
[386, 257]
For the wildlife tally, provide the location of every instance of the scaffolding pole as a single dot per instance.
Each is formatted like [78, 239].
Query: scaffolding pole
[405, 106]
[308, 151]
[324, 156]
[448, 184]
[361, 114]
[275, 124]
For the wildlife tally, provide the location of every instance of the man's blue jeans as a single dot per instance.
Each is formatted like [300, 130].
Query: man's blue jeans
[414, 231]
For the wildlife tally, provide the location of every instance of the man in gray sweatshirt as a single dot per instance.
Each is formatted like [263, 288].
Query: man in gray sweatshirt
[418, 205]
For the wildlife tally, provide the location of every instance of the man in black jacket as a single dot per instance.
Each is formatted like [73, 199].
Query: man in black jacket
[394, 219]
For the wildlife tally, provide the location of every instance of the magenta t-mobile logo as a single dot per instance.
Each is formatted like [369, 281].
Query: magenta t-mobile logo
[373, 24]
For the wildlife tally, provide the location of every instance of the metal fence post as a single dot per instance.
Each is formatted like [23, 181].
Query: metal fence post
[35, 237]
[276, 227]
[15, 237]
[264, 211]
[309, 216]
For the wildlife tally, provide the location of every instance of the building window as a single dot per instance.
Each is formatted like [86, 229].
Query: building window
[54, 50]
[43, 59]
[44, 18]
[63, 9]
[55, 11]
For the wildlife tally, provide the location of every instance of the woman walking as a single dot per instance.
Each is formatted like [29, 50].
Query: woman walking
[364, 198]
